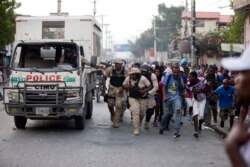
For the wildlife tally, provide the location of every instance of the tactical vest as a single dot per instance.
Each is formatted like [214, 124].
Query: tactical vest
[134, 92]
[117, 79]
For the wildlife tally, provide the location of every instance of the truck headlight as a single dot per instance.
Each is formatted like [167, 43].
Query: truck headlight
[72, 93]
[15, 97]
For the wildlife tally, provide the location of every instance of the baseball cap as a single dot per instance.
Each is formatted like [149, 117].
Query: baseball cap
[238, 64]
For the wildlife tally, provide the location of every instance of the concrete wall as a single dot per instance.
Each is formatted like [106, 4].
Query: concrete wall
[247, 30]
[210, 60]
[160, 57]
[209, 25]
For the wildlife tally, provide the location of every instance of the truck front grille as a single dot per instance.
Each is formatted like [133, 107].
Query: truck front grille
[43, 97]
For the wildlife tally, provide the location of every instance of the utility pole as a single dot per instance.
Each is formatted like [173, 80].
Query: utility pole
[155, 50]
[193, 29]
[186, 20]
[59, 7]
[106, 32]
[94, 10]
[102, 16]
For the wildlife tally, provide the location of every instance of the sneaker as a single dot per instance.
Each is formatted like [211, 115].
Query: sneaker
[196, 135]
[161, 131]
[146, 126]
[115, 125]
[222, 124]
[136, 132]
[176, 135]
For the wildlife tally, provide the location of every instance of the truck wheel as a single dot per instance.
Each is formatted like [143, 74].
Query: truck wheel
[98, 94]
[89, 109]
[20, 122]
[80, 122]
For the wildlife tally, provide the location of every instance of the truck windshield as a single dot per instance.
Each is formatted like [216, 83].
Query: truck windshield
[45, 56]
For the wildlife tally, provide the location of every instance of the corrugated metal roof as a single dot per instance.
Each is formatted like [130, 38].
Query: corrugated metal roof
[209, 16]
[225, 19]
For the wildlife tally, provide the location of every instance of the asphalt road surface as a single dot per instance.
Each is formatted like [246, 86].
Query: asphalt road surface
[58, 144]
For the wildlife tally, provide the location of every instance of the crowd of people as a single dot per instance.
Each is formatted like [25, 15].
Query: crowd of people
[169, 92]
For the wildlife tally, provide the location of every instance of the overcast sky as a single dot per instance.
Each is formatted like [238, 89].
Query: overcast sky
[127, 18]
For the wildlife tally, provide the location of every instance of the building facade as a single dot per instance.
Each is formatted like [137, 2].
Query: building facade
[205, 22]
[244, 5]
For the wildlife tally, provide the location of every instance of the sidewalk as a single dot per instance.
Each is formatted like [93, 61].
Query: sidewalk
[222, 131]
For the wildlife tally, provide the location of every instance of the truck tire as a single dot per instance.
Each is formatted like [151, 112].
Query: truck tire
[20, 122]
[89, 109]
[98, 94]
[80, 122]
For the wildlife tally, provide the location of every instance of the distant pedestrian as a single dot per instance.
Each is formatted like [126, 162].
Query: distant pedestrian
[226, 94]
[145, 70]
[199, 88]
[172, 102]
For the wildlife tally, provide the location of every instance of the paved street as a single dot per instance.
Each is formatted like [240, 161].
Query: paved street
[57, 143]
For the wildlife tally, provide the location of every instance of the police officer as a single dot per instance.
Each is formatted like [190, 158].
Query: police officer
[145, 71]
[138, 87]
[116, 96]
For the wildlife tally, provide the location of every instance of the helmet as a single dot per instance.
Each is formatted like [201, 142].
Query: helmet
[135, 71]
[145, 67]
[184, 62]
[118, 61]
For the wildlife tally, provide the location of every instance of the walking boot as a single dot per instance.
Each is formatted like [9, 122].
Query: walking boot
[136, 132]
[115, 125]
[146, 125]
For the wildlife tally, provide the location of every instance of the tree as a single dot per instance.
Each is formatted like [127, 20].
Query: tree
[209, 43]
[167, 24]
[235, 34]
[7, 21]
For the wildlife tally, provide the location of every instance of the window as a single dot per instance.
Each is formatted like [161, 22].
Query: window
[53, 29]
[200, 23]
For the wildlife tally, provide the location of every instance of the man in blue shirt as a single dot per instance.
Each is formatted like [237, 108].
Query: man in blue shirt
[225, 94]
[172, 88]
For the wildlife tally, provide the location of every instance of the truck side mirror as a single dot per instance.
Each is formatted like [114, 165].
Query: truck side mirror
[93, 60]
[81, 51]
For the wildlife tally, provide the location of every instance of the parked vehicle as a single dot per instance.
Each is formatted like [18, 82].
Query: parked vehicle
[41, 85]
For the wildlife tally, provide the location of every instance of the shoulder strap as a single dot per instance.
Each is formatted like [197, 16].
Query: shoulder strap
[168, 80]
[123, 71]
[113, 71]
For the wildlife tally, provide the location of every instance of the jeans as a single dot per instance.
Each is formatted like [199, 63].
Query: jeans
[172, 107]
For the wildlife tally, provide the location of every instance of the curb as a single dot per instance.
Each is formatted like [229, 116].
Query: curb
[218, 130]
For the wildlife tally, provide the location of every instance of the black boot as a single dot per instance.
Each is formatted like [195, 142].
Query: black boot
[222, 124]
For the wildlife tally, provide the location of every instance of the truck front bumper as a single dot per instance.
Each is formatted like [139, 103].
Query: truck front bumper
[44, 111]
